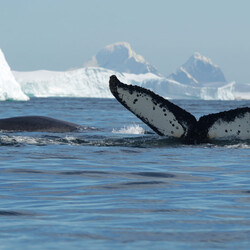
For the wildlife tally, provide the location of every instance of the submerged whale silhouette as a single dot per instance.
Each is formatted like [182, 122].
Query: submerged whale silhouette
[37, 124]
[168, 119]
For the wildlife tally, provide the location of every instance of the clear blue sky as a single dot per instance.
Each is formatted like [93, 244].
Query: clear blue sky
[64, 34]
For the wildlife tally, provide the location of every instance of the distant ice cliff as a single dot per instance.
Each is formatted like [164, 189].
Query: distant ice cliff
[9, 87]
[94, 82]
[199, 78]
[120, 57]
[198, 69]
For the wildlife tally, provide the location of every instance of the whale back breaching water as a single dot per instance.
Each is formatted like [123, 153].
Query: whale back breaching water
[168, 119]
[37, 124]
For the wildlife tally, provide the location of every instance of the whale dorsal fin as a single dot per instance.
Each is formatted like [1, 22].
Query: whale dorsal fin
[164, 117]
[234, 123]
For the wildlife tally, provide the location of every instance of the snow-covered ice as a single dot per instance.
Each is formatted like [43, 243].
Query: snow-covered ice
[198, 69]
[9, 87]
[120, 57]
[198, 78]
[94, 82]
[174, 90]
[84, 82]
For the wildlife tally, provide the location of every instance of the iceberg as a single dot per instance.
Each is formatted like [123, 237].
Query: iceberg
[94, 82]
[84, 82]
[121, 58]
[174, 90]
[198, 69]
[198, 78]
[9, 87]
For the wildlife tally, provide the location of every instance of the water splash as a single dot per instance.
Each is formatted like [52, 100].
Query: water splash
[134, 129]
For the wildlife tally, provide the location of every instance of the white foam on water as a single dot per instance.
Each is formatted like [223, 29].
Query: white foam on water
[17, 139]
[239, 145]
[134, 129]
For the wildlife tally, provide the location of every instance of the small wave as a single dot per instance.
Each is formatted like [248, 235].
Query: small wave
[104, 141]
[18, 140]
[239, 145]
[234, 143]
[134, 129]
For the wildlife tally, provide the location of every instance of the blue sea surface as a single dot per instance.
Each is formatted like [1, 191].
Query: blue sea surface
[108, 187]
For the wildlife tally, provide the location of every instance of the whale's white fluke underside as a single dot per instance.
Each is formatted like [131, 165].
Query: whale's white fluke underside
[168, 119]
[234, 123]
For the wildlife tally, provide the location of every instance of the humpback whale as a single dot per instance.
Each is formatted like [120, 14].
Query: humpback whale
[168, 119]
[37, 124]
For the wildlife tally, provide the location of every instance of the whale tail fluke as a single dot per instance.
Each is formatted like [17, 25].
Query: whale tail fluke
[164, 117]
[168, 119]
[234, 123]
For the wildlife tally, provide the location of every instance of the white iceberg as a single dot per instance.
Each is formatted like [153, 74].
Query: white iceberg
[94, 82]
[198, 69]
[121, 58]
[175, 90]
[198, 78]
[84, 82]
[9, 87]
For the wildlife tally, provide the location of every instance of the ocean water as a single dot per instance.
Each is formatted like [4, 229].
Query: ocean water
[117, 185]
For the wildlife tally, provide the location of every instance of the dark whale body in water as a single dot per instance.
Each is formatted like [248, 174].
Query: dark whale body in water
[37, 124]
[168, 119]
